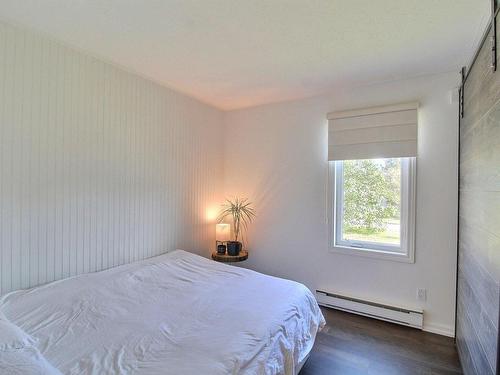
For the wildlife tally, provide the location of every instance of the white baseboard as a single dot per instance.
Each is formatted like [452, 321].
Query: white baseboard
[394, 314]
[439, 329]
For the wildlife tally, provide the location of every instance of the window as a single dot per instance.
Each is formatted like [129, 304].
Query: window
[372, 154]
[374, 207]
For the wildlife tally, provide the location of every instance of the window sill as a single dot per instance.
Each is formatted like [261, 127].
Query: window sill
[377, 254]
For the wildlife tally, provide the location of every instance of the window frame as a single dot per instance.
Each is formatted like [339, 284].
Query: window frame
[403, 253]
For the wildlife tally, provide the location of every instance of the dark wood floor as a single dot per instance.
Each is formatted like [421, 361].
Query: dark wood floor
[355, 345]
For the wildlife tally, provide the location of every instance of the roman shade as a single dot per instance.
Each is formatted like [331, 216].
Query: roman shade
[371, 133]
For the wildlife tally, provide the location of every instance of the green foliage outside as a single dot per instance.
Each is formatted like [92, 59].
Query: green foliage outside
[371, 195]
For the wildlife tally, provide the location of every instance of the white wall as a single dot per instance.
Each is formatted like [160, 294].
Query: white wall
[98, 167]
[277, 156]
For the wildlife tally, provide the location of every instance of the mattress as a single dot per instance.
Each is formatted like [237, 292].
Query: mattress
[177, 313]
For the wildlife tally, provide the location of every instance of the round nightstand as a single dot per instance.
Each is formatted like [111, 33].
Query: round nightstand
[224, 258]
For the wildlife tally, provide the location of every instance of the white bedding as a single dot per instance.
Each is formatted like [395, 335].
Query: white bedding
[177, 313]
[25, 361]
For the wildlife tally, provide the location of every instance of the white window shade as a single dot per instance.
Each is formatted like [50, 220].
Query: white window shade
[371, 133]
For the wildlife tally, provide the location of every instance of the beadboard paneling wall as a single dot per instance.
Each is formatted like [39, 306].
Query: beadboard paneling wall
[479, 236]
[98, 167]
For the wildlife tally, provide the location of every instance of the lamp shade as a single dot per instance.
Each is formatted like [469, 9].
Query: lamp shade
[222, 232]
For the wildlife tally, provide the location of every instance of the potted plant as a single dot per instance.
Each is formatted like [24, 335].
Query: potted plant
[242, 214]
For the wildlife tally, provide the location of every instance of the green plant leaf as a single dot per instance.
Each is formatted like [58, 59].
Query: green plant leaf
[241, 212]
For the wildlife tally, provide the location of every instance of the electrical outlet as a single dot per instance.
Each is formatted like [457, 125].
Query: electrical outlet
[422, 294]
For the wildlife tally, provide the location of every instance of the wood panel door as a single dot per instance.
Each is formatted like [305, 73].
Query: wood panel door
[478, 293]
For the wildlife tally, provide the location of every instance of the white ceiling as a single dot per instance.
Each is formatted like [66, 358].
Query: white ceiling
[240, 53]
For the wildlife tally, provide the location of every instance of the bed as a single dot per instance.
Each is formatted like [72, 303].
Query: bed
[176, 313]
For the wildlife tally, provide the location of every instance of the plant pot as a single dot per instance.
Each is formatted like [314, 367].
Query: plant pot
[233, 247]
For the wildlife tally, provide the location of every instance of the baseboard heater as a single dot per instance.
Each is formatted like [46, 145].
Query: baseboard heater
[398, 315]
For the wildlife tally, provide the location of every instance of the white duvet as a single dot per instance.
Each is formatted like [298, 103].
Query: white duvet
[177, 313]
